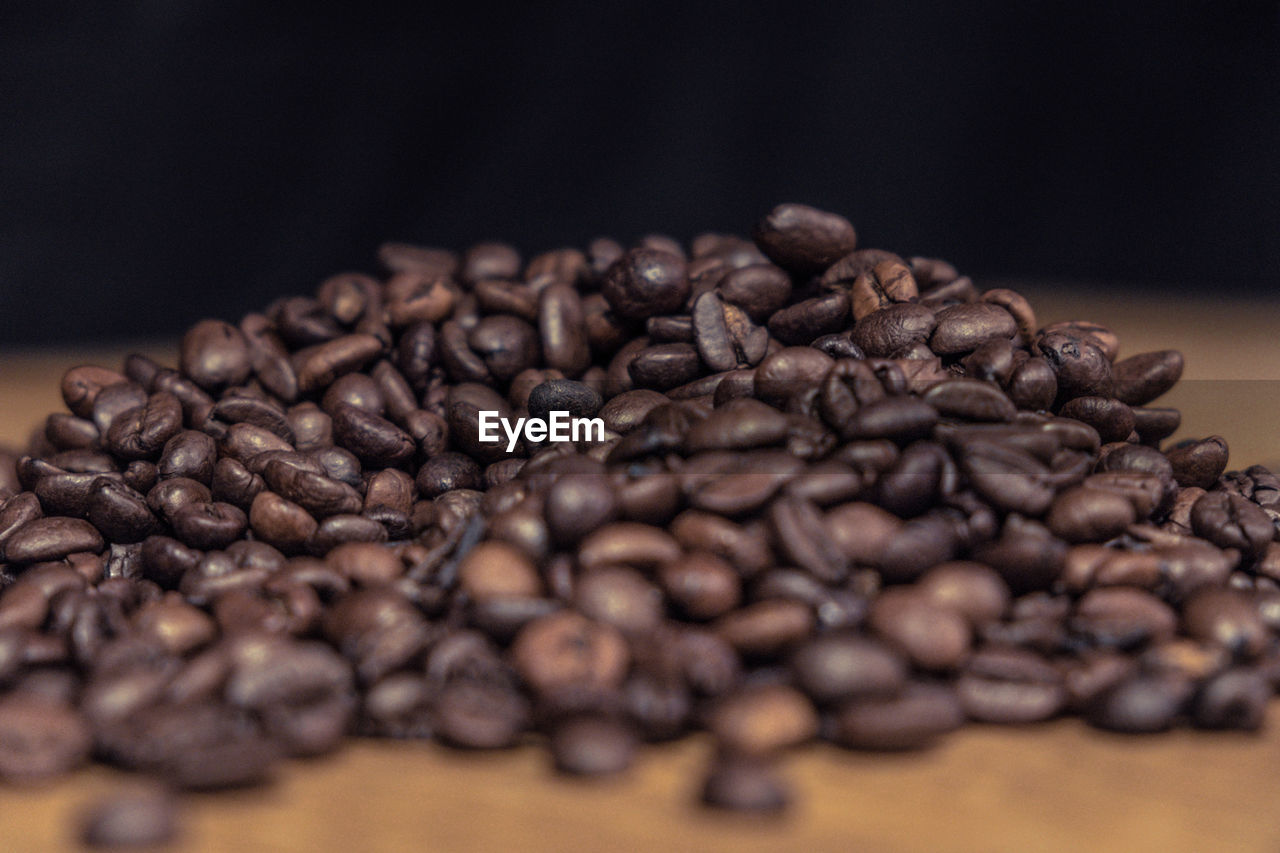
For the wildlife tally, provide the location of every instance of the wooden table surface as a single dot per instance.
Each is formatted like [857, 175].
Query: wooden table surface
[1057, 786]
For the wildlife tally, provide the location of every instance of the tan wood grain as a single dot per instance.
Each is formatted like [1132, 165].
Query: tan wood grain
[1054, 787]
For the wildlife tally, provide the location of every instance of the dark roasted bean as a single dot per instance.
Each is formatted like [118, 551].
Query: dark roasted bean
[1142, 378]
[1198, 463]
[804, 239]
[914, 718]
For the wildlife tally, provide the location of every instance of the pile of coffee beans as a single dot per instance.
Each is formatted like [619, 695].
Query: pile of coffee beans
[838, 494]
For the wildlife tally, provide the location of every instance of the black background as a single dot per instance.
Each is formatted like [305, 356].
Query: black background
[166, 160]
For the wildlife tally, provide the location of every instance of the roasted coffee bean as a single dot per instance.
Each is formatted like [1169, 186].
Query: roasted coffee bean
[373, 439]
[1141, 704]
[1122, 617]
[479, 716]
[44, 539]
[1227, 618]
[1142, 378]
[81, 386]
[804, 239]
[767, 627]
[66, 431]
[1235, 699]
[119, 512]
[760, 721]
[208, 526]
[784, 372]
[114, 401]
[964, 328]
[1010, 686]
[970, 400]
[1112, 419]
[900, 419]
[1006, 477]
[215, 355]
[569, 649]
[1230, 521]
[810, 319]
[932, 637]
[1198, 463]
[1086, 514]
[645, 282]
[1033, 386]
[1081, 367]
[802, 539]
[912, 719]
[131, 818]
[975, 591]
[745, 784]
[40, 739]
[627, 543]
[1153, 425]
[702, 585]
[493, 569]
[838, 667]
[884, 332]
[592, 746]
[189, 454]
[758, 289]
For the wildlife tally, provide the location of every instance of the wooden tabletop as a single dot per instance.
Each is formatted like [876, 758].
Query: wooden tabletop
[1053, 787]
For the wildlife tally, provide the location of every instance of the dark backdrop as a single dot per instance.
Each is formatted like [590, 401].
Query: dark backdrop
[169, 159]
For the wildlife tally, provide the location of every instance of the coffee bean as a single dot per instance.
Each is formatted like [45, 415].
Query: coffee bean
[1230, 521]
[1010, 686]
[1122, 617]
[1113, 420]
[767, 627]
[964, 328]
[745, 784]
[970, 400]
[215, 355]
[811, 318]
[889, 329]
[81, 386]
[568, 649]
[932, 637]
[40, 739]
[785, 371]
[627, 543]
[804, 239]
[1085, 514]
[702, 585]
[664, 366]
[592, 746]
[43, 539]
[1081, 367]
[1141, 704]
[838, 667]
[134, 818]
[1142, 378]
[913, 719]
[1226, 618]
[763, 720]
[493, 569]
[1198, 463]
[758, 289]
[1235, 699]
[645, 282]
[975, 591]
